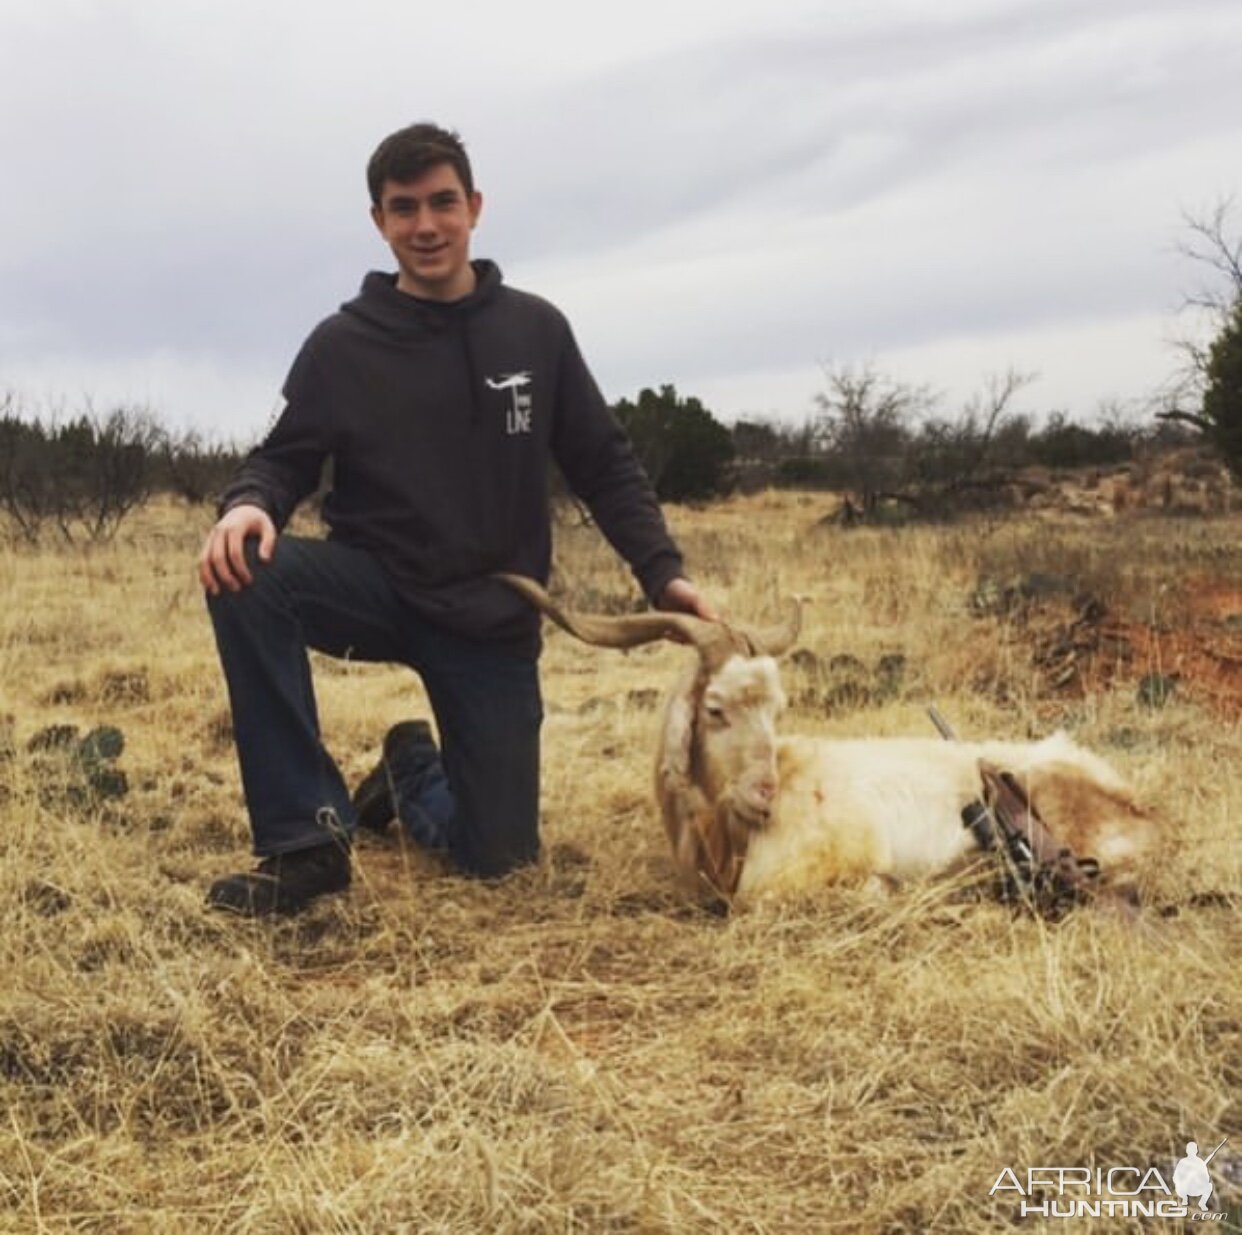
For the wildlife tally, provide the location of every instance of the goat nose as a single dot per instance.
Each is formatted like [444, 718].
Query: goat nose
[766, 789]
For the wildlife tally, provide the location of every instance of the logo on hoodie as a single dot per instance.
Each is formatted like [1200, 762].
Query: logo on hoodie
[517, 418]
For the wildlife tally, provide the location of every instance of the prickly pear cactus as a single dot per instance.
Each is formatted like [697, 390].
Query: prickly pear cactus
[79, 769]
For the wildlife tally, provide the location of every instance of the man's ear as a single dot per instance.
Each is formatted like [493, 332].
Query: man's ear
[377, 217]
[475, 203]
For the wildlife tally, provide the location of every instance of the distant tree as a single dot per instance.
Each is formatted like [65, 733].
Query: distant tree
[684, 449]
[883, 442]
[1011, 444]
[1064, 443]
[1211, 375]
[27, 489]
[951, 455]
[1215, 250]
[83, 476]
[114, 461]
[808, 471]
[754, 439]
[761, 449]
[196, 468]
[865, 421]
[1222, 400]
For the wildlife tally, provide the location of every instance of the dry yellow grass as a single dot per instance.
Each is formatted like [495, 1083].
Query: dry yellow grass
[576, 1050]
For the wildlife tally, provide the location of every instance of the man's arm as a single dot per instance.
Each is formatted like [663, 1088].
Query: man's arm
[601, 467]
[268, 486]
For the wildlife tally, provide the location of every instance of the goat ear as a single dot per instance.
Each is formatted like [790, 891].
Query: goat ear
[684, 809]
[676, 792]
[677, 739]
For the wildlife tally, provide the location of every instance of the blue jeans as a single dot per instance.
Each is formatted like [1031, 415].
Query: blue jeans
[336, 598]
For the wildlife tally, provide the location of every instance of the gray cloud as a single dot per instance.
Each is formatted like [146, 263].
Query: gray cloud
[736, 189]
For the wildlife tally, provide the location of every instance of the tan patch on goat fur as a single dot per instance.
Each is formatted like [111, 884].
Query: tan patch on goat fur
[1091, 819]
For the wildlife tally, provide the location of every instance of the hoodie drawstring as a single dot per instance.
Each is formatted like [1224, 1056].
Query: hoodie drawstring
[472, 375]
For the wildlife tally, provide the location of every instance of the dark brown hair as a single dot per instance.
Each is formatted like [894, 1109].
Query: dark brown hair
[406, 154]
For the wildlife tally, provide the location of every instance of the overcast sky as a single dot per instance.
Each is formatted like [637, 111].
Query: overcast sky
[723, 194]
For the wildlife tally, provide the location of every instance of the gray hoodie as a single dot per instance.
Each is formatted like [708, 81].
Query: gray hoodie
[440, 420]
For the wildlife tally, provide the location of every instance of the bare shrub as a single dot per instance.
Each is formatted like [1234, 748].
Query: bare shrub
[196, 468]
[81, 477]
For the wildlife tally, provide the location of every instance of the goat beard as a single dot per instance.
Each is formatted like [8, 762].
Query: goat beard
[724, 842]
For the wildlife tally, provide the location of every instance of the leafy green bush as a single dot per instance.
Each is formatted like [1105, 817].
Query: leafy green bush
[684, 449]
[1222, 398]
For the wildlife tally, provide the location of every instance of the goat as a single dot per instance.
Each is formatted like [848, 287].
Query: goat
[750, 814]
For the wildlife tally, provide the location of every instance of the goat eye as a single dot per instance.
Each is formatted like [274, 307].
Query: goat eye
[715, 713]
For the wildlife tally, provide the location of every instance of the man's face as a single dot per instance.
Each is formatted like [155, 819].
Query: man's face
[427, 223]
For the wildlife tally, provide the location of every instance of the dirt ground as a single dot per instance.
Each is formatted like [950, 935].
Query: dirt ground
[1199, 657]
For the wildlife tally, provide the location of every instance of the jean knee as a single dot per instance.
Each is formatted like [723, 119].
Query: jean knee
[226, 604]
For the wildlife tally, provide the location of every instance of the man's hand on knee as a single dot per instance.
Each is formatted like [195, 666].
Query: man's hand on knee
[222, 563]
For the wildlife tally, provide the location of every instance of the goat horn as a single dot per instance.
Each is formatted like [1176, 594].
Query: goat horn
[714, 641]
[624, 631]
[775, 640]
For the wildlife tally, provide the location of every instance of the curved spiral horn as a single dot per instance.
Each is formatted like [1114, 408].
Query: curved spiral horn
[778, 639]
[622, 631]
[715, 641]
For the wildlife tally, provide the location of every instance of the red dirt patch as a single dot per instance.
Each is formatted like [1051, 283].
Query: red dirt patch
[1210, 601]
[1205, 664]
[1200, 659]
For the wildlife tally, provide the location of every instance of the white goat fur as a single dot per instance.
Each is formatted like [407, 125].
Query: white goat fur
[808, 811]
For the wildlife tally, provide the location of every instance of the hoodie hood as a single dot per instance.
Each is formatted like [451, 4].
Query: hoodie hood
[403, 316]
[407, 318]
